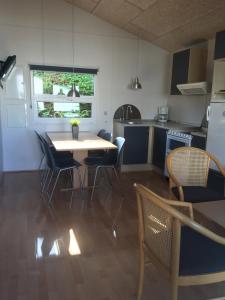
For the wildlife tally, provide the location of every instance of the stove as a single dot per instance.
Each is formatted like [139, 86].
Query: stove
[176, 139]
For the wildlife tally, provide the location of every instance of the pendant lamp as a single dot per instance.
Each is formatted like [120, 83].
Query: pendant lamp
[136, 83]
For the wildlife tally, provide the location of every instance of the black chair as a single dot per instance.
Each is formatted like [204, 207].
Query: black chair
[101, 133]
[58, 156]
[107, 136]
[104, 135]
[110, 160]
[56, 167]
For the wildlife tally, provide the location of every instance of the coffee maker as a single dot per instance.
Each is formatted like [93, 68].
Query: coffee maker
[163, 113]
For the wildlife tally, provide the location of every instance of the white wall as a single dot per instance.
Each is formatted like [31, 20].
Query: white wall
[187, 109]
[47, 39]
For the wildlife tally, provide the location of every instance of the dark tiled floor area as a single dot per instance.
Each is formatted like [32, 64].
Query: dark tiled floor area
[39, 250]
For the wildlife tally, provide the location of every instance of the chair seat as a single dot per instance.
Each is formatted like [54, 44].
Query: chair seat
[93, 161]
[63, 164]
[96, 153]
[200, 255]
[197, 194]
[62, 154]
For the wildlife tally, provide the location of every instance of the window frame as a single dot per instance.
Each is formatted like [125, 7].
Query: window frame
[35, 98]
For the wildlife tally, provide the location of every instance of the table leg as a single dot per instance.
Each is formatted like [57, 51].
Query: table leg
[80, 156]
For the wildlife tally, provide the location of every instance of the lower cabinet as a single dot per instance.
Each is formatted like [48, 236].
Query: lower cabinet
[198, 142]
[136, 145]
[159, 147]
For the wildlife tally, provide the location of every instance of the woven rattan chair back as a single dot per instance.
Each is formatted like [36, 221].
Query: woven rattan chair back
[158, 231]
[160, 222]
[189, 166]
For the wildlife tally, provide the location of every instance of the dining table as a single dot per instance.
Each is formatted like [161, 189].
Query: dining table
[63, 141]
[212, 214]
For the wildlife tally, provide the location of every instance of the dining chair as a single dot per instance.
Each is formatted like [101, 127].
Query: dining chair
[58, 156]
[186, 252]
[101, 132]
[188, 170]
[56, 167]
[41, 149]
[110, 160]
[104, 135]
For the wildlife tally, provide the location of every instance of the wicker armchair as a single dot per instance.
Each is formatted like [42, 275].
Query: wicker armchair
[185, 251]
[188, 170]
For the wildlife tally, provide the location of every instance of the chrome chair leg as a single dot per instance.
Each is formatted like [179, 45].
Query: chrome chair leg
[71, 177]
[94, 184]
[49, 182]
[53, 188]
[45, 180]
[41, 161]
[116, 174]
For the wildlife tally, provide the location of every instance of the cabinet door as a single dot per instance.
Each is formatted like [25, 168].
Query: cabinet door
[179, 70]
[159, 147]
[198, 142]
[216, 181]
[136, 145]
[220, 45]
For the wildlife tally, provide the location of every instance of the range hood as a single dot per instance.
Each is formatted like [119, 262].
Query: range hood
[196, 88]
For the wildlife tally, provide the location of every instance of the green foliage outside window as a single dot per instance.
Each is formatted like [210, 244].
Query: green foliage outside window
[85, 82]
[75, 110]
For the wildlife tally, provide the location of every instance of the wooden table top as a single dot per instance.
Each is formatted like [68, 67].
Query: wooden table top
[214, 211]
[63, 141]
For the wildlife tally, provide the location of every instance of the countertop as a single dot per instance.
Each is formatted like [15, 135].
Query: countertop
[167, 125]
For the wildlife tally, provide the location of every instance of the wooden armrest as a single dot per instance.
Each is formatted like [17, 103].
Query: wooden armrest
[218, 164]
[182, 204]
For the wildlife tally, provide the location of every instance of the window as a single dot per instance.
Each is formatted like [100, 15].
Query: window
[50, 88]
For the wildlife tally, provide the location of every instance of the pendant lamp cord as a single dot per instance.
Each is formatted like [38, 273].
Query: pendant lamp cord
[73, 40]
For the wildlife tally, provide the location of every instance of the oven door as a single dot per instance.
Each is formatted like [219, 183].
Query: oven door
[172, 143]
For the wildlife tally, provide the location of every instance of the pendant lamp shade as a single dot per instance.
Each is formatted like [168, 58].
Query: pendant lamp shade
[73, 92]
[136, 84]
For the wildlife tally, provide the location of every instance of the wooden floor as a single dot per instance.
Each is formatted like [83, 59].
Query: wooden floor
[89, 252]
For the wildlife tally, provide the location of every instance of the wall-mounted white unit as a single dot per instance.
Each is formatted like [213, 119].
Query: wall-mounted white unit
[197, 88]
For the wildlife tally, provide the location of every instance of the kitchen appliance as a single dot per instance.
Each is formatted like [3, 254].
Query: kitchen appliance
[163, 113]
[176, 139]
[216, 130]
[197, 88]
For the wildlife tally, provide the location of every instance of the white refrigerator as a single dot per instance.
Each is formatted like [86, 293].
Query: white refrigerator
[216, 131]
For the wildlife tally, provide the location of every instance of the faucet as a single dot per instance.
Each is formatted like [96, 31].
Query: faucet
[128, 108]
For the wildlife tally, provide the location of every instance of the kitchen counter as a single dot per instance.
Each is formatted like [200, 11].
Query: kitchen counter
[146, 142]
[167, 125]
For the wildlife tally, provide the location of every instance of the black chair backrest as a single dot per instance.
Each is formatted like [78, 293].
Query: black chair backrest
[40, 142]
[49, 156]
[101, 133]
[113, 156]
[107, 136]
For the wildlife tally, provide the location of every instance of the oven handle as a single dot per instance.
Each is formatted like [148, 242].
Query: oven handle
[179, 139]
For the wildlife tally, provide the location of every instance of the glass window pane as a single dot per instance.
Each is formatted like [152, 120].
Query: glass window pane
[60, 83]
[64, 109]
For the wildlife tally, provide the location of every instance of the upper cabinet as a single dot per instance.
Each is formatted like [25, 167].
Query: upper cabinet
[179, 70]
[188, 66]
[220, 45]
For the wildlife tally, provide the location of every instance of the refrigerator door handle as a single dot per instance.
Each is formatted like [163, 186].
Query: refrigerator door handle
[208, 113]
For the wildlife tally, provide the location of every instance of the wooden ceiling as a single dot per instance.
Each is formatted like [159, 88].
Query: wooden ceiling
[170, 24]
